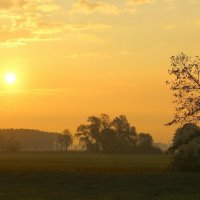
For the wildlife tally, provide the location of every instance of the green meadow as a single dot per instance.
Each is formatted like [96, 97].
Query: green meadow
[83, 176]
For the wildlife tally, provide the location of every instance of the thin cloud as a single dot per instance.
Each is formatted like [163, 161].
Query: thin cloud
[90, 26]
[8, 4]
[88, 54]
[139, 2]
[101, 7]
[25, 21]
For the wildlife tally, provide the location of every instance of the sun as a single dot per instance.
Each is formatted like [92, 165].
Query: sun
[10, 78]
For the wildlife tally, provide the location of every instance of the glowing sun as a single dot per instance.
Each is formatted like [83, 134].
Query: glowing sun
[10, 78]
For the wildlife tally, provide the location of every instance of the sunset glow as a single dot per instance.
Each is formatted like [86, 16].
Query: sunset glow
[77, 58]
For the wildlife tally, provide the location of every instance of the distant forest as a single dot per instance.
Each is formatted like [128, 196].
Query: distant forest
[27, 140]
[100, 134]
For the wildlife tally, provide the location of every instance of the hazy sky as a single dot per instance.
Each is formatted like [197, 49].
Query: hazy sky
[75, 58]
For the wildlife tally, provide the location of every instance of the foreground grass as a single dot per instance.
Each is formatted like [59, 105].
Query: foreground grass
[77, 176]
[82, 162]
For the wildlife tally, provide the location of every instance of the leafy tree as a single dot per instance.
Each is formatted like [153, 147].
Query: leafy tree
[145, 144]
[185, 85]
[185, 148]
[101, 134]
[186, 88]
[64, 140]
[145, 139]
[108, 141]
[90, 134]
[125, 134]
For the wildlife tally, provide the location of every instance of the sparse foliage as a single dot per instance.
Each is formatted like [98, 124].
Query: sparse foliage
[186, 88]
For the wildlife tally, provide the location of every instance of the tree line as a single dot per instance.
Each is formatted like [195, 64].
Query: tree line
[12, 140]
[100, 135]
[106, 135]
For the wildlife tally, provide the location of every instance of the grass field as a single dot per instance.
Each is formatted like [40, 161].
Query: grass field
[81, 176]
[82, 162]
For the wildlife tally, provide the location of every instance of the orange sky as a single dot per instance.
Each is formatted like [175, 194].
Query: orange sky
[77, 58]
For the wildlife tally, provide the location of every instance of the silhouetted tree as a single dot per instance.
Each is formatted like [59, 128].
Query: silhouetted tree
[101, 134]
[186, 88]
[125, 134]
[185, 148]
[64, 140]
[90, 134]
[145, 139]
[145, 144]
